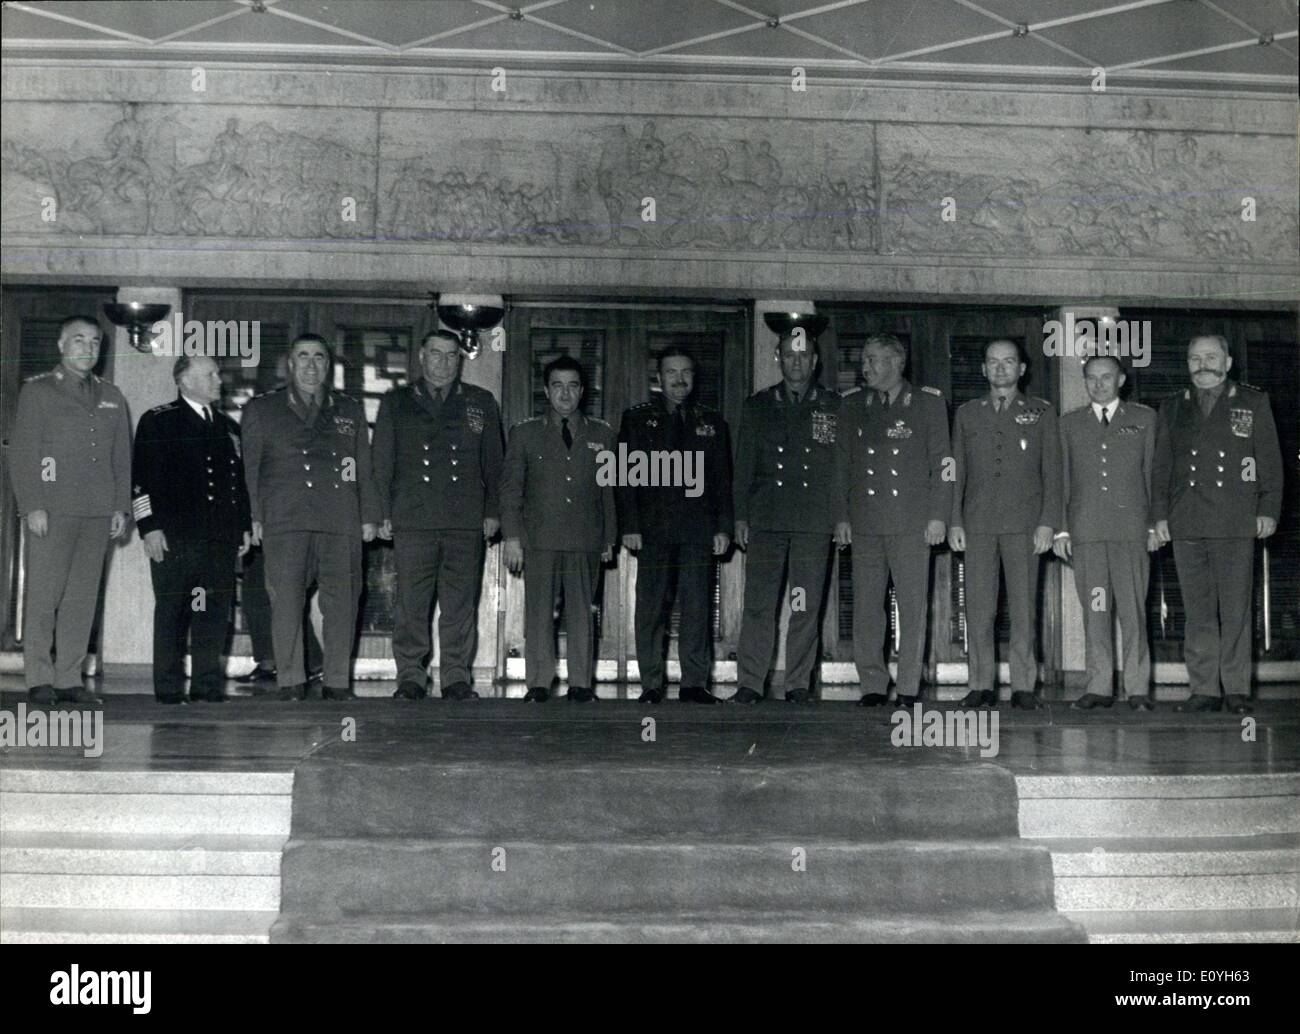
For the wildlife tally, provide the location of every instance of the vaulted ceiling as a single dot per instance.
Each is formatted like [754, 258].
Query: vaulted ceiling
[1217, 45]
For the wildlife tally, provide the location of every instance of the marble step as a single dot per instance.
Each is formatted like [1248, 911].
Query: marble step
[1205, 926]
[328, 879]
[126, 854]
[123, 891]
[144, 780]
[133, 926]
[160, 813]
[807, 927]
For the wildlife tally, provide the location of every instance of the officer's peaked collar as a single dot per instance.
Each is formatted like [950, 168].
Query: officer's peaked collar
[783, 394]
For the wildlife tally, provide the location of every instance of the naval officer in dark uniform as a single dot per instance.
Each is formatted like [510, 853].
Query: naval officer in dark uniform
[1107, 452]
[894, 503]
[70, 464]
[437, 470]
[307, 464]
[559, 525]
[784, 498]
[1006, 503]
[1217, 487]
[676, 534]
[191, 507]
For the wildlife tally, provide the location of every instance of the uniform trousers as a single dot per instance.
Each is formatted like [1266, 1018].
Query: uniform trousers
[64, 569]
[1019, 563]
[1217, 578]
[257, 615]
[448, 565]
[1122, 571]
[659, 566]
[769, 555]
[875, 559]
[294, 560]
[548, 573]
[179, 611]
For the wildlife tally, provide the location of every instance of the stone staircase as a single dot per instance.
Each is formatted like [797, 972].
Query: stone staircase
[1171, 859]
[94, 855]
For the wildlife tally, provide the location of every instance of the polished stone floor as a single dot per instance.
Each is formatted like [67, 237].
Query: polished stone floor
[245, 733]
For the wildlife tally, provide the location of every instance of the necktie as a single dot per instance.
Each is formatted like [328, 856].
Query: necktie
[884, 399]
[565, 433]
[679, 429]
[1207, 401]
[1105, 418]
[1001, 404]
[207, 416]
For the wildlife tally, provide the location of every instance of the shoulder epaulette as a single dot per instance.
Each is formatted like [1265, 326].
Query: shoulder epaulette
[598, 420]
[851, 391]
[1140, 405]
[270, 392]
[166, 406]
[932, 391]
[1041, 402]
[1077, 409]
[39, 376]
[1251, 387]
[527, 420]
[648, 404]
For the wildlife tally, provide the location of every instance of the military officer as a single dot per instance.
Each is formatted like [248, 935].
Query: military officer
[893, 506]
[559, 526]
[1006, 502]
[313, 503]
[1107, 450]
[783, 491]
[71, 471]
[191, 507]
[1217, 486]
[675, 532]
[437, 471]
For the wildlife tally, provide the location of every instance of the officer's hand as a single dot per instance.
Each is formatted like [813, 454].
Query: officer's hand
[934, 533]
[490, 528]
[385, 531]
[957, 539]
[1264, 527]
[1061, 547]
[1162, 532]
[721, 543]
[1042, 539]
[38, 523]
[607, 555]
[632, 542]
[843, 534]
[155, 544]
[257, 533]
[742, 534]
[368, 532]
[117, 525]
[514, 556]
[246, 544]
[1153, 542]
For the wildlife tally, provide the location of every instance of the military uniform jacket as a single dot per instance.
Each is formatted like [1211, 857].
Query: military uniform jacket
[1008, 467]
[71, 452]
[550, 498]
[785, 461]
[1106, 488]
[1200, 483]
[438, 467]
[308, 477]
[890, 462]
[667, 513]
[187, 478]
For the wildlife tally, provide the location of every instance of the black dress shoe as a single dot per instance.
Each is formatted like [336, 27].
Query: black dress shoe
[408, 690]
[79, 695]
[43, 695]
[581, 695]
[906, 699]
[537, 695]
[696, 695]
[1198, 702]
[258, 674]
[459, 691]
[1141, 702]
[1091, 700]
[980, 698]
[310, 691]
[169, 698]
[653, 696]
[297, 692]
[1026, 700]
[212, 696]
[872, 700]
[798, 696]
[335, 693]
[1238, 704]
[745, 695]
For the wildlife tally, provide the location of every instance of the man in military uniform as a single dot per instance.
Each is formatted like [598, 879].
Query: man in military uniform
[1107, 451]
[307, 463]
[559, 526]
[437, 470]
[71, 471]
[783, 491]
[1006, 502]
[894, 504]
[673, 531]
[191, 507]
[1217, 487]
